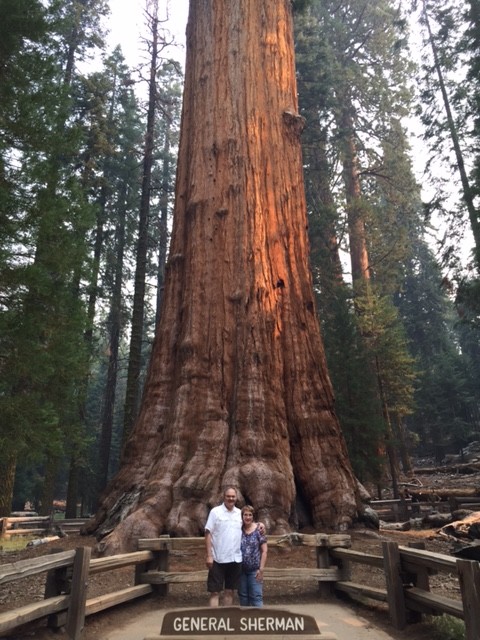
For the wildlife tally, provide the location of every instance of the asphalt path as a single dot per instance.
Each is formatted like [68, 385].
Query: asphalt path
[332, 618]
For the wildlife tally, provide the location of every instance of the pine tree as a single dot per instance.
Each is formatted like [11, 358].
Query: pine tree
[44, 357]
[352, 103]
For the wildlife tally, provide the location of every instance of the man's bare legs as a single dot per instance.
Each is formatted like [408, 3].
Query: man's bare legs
[214, 600]
[227, 599]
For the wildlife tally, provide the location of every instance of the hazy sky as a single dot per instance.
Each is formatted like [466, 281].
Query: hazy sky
[127, 24]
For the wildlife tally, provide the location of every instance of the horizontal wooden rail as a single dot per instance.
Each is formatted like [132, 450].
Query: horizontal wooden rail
[413, 558]
[31, 612]
[34, 566]
[293, 539]
[358, 556]
[330, 574]
[434, 604]
[37, 525]
[356, 589]
[99, 565]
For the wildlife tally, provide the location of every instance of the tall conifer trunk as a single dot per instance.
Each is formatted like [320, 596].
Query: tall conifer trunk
[133, 390]
[237, 390]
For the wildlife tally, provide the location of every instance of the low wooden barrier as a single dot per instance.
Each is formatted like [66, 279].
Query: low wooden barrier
[402, 509]
[407, 588]
[37, 525]
[405, 570]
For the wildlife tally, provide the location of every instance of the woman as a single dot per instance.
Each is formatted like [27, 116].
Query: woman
[254, 557]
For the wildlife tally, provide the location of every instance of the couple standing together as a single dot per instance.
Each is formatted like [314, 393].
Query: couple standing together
[236, 553]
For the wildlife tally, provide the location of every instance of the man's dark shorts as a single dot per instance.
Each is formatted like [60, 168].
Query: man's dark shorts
[225, 575]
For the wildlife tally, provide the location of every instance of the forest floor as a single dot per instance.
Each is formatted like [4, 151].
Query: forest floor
[23, 592]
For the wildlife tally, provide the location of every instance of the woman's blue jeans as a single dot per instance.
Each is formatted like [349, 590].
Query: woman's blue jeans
[250, 591]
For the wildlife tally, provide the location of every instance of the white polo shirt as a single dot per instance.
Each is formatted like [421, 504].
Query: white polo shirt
[225, 527]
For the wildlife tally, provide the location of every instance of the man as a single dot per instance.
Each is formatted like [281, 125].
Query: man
[223, 537]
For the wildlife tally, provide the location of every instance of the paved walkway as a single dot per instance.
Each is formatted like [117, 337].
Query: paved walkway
[334, 618]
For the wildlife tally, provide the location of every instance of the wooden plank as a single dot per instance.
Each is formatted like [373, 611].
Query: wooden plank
[10, 533]
[330, 574]
[165, 577]
[100, 603]
[172, 544]
[381, 503]
[433, 603]
[395, 596]
[33, 566]
[355, 588]
[31, 612]
[469, 577]
[99, 565]
[429, 559]
[35, 520]
[76, 610]
[94, 605]
[293, 539]
[358, 556]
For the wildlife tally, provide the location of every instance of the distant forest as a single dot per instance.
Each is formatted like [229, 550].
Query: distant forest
[87, 188]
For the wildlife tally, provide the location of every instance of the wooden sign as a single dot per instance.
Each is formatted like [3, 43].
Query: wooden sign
[239, 623]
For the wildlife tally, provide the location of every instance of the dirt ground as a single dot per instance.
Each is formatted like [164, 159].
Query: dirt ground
[23, 592]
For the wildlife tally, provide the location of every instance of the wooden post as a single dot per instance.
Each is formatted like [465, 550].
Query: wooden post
[160, 562]
[404, 515]
[323, 562]
[469, 578]
[395, 594]
[418, 579]
[3, 526]
[57, 582]
[78, 594]
[394, 508]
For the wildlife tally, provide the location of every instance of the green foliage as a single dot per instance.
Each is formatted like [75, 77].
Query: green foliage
[44, 249]
[337, 47]
[446, 392]
[447, 627]
[355, 386]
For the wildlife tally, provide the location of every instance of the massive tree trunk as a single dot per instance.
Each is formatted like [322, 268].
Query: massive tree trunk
[237, 390]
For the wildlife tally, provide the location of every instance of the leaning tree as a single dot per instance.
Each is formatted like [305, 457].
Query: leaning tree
[237, 391]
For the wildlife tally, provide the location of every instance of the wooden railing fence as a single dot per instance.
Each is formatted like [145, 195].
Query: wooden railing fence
[401, 509]
[37, 525]
[405, 571]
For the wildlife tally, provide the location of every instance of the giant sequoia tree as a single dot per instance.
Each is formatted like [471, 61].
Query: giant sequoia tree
[237, 390]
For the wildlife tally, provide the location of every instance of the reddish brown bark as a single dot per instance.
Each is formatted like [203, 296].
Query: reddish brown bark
[237, 391]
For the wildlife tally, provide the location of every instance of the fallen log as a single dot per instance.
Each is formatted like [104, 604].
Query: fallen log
[435, 519]
[426, 494]
[468, 527]
[461, 467]
[395, 526]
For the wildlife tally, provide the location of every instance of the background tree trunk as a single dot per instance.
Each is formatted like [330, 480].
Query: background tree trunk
[237, 390]
[133, 390]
